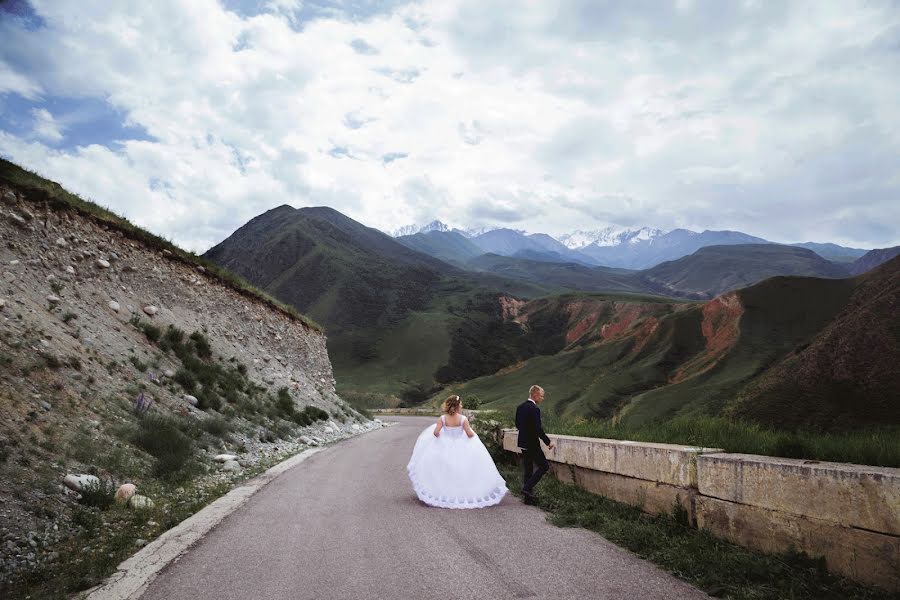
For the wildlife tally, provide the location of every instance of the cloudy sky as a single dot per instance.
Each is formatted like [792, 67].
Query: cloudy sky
[779, 119]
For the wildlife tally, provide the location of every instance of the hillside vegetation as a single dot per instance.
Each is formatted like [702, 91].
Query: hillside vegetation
[790, 352]
[124, 361]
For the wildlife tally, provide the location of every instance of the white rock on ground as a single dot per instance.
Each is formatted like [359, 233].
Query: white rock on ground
[78, 483]
[232, 466]
[140, 502]
[102, 264]
[113, 306]
[224, 457]
[192, 400]
[151, 310]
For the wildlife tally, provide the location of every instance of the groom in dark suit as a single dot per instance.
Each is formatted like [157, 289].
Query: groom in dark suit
[531, 432]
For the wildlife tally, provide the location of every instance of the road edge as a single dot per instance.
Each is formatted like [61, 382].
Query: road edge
[134, 575]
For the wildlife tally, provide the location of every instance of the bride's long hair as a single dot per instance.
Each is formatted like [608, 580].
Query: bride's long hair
[451, 405]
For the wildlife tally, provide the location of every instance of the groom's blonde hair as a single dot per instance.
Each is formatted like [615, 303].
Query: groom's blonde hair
[533, 389]
[451, 404]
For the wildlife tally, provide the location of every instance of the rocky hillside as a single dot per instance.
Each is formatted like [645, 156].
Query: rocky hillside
[128, 361]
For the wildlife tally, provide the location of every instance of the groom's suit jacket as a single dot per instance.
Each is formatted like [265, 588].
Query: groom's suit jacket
[528, 422]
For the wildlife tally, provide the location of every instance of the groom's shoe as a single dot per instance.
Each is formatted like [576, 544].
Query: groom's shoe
[529, 498]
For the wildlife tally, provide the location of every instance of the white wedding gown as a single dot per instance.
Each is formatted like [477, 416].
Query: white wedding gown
[454, 470]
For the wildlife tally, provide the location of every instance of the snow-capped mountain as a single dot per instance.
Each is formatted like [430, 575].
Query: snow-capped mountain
[473, 232]
[414, 229]
[608, 236]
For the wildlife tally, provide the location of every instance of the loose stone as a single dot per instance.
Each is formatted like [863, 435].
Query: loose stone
[78, 483]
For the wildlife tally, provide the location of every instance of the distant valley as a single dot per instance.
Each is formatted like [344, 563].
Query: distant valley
[407, 317]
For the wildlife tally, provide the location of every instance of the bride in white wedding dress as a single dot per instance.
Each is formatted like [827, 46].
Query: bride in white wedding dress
[450, 467]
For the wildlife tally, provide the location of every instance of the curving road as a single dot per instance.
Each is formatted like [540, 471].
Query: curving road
[346, 524]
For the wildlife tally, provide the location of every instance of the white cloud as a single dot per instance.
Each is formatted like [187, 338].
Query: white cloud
[772, 119]
[45, 126]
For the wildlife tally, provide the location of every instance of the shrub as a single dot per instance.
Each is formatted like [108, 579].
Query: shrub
[201, 344]
[100, 495]
[284, 403]
[151, 331]
[138, 364]
[186, 379]
[471, 402]
[69, 316]
[162, 438]
[207, 398]
[216, 426]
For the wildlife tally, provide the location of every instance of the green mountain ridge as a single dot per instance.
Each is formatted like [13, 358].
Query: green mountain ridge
[738, 355]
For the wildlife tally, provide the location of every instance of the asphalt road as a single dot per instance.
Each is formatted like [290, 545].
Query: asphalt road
[346, 524]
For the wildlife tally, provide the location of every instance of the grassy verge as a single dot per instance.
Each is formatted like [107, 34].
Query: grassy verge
[104, 538]
[879, 447]
[719, 568]
[39, 189]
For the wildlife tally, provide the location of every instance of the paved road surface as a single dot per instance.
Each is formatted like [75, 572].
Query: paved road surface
[346, 524]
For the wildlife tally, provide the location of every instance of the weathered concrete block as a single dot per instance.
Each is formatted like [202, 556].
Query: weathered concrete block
[865, 556]
[671, 464]
[850, 495]
[651, 497]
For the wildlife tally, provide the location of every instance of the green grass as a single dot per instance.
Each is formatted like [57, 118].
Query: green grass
[717, 567]
[38, 189]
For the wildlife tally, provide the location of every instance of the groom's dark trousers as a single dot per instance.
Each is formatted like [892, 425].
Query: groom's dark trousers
[530, 457]
[531, 432]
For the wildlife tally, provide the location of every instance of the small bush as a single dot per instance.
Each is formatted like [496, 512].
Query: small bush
[201, 344]
[471, 402]
[138, 364]
[101, 495]
[284, 403]
[216, 426]
[162, 438]
[69, 316]
[186, 379]
[57, 287]
[74, 362]
[208, 399]
[152, 332]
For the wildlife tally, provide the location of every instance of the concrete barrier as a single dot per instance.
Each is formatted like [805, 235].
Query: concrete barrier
[651, 476]
[847, 514]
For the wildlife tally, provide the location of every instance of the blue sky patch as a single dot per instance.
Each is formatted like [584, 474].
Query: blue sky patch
[80, 121]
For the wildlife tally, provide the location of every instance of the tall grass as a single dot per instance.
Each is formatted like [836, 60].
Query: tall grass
[878, 447]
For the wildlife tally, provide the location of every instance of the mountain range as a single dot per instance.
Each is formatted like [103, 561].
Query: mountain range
[408, 316]
[641, 248]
